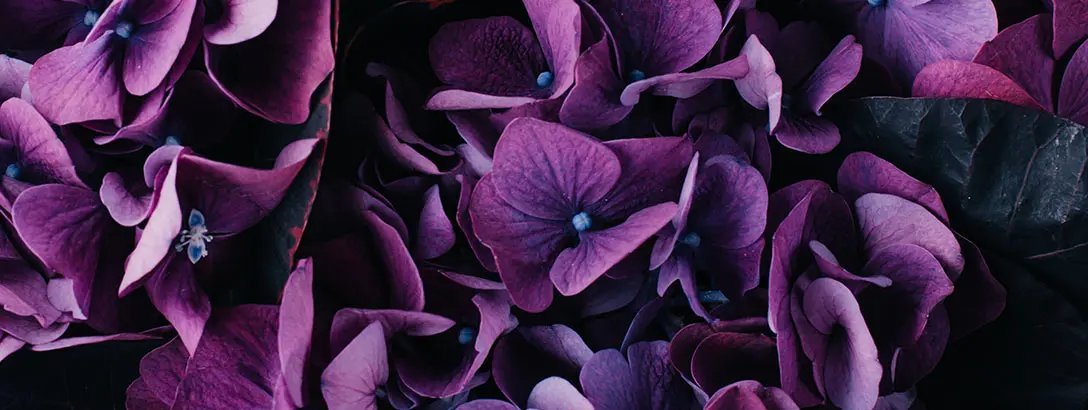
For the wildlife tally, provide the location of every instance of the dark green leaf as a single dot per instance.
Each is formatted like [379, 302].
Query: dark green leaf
[1013, 181]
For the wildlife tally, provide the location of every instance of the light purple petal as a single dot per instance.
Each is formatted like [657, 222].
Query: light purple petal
[353, 377]
[296, 323]
[63, 82]
[886, 220]
[555, 393]
[846, 364]
[240, 20]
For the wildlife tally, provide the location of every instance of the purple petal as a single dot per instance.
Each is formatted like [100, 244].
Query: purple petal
[578, 267]
[41, 156]
[978, 297]
[435, 236]
[863, 172]
[918, 284]
[731, 202]
[301, 31]
[594, 100]
[24, 292]
[750, 395]
[352, 379]
[524, 358]
[808, 133]
[846, 364]
[832, 75]
[487, 404]
[761, 87]
[195, 112]
[961, 79]
[558, 27]
[13, 77]
[162, 370]
[348, 322]
[886, 220]
[88, 340]
[153, 48]
[129, 204]
[914, 361]
[552, 172]
[29, 330]
[296, 322]
[1070, 18]
[464, 221]
[642, 380]
[176, 294]
[555, 393]
[1022, 52]
[240, 20]
[653, 170]
[724, 358]
[63, 80]
[1072, 102]
[680, 36]
[683, 345]
[685, 85]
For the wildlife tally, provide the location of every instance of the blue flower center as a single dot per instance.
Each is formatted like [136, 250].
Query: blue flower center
[712, 296]
[692, 239]
[194, 241]
[635, 75]
[545, 79]
[91, 17]
[466, 335]
[13, 171]
[581, 222]
[877, 3]
[172, 140]
[380, 393]
[124, 29]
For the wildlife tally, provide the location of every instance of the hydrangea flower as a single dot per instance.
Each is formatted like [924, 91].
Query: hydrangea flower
[853, 326]
[559, 208]
[1018, 66]
[496, 62]
[905, 36]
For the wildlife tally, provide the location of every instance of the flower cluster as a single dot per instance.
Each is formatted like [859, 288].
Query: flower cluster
[548, 204]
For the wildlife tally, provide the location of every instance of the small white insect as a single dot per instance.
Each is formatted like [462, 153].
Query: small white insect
[195, 239]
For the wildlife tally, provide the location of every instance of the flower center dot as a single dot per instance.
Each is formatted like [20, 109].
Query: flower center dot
[877, 3]
[91, 17]
[172, 140]
[712, 296]
[545, 79]
[581, 222]
[13, 171]
[692, 239]
[466, 335]
[124, 29]
[636, 75]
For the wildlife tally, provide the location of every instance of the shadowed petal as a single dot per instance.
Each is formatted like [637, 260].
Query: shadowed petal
[886, 220]
[845, 361]
[750, 395]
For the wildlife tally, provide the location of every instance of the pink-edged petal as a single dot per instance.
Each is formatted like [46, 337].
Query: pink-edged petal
[863, 172]
[578, 267]
[846, 363]
[761, 87]
[352, 379]
[1023, 53]
[524, 247]
[961, 79]
[153, 48]
[240, 20]
[78, 83]
[295, 51]
[685, 85]
[594, 100]
[296, 324]
[556, 393]
[1073, 96]
[832, 75]
[558, 27]
[886, 220]
[552, 172]
[435, 234]
[680, 35]
[157, 238]
[750, 395]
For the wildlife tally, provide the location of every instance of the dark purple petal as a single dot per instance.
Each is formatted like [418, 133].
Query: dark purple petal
[163, 369]
[653, 171]
[295, 51]
[435, 234]
[642, 380]
[863, 172]
[523, 358]
[558, 27]
[1023, 52]
[885, 220]
[680, 36]
[978, 298]
[961, 79]
[464, 221]
[724, 358]
[685, 85]
[683, 345]
[730, 203]
[594, 100]
[174, 291]
[1072, 102]
[1070, 24]
[750, 395]
[832, 75]
[348, 322]
[918, 283]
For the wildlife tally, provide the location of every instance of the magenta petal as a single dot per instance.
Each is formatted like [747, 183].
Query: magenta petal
[885, 220]
[352, 379]
[162, 370]
[578, 267]
[594, 100]
[681, 33]
[464, 221]
[846, 364]
[524, 247]
[78, 83]
[301, 31]
[555, 393]
[761, 87]
[42, 156]
[239, 350]
[863, 172]
[24, 292]
[153, 49]
[552, 172]
[832, 75]
[960, 79]
[558, 27]
[1070, 24]
[138, 396]
[750, 395]
[1073, 96]
[175, 293]
[296, 324]
[487, 404]
[683, 345]
[49, 230]
[241, 20]
[1022, 52]
[13, 76]
[88, 340]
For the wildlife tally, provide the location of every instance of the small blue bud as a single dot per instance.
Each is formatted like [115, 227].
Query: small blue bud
[636, 75]
[124, 29]
[91, 17]
[712, 296]
[877, 3]
[13, 171]
[692, 239]
[466, 335]
[545, 79]
[172, 140]
[581, 222]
